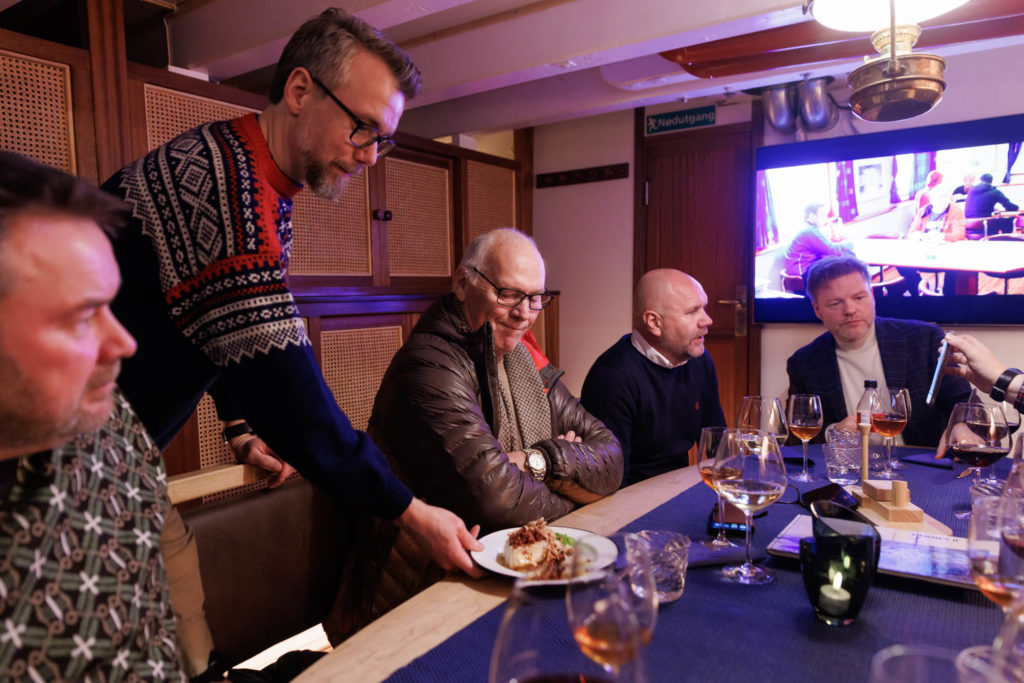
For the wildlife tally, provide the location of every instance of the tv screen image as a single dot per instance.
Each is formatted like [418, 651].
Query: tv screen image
[941, 243]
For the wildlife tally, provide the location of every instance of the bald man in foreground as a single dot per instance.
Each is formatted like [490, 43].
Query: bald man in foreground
[656, 388]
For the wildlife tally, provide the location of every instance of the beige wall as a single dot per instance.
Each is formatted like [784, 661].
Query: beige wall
[586, 231]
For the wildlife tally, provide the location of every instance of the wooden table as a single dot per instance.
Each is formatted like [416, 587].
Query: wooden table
[428, 619]
[971, 256]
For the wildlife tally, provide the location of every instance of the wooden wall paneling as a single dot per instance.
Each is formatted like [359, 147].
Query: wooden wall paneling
[523, 146]
[333, 239]
[490, 198]
[109, 63]
[356, 351]
[48, 112]
[420, 234]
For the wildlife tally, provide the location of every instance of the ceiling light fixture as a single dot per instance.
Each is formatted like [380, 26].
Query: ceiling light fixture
[898, 85]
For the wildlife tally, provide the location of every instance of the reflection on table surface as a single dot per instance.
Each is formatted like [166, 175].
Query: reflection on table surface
[970, 256]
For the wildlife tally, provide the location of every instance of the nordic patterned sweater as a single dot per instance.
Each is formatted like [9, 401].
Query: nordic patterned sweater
[204, 294]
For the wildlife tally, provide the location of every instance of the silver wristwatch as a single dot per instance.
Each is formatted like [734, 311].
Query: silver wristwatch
[536, 463]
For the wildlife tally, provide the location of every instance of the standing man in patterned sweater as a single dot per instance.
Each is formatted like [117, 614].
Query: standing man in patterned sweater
[203, 264]
[83, 494]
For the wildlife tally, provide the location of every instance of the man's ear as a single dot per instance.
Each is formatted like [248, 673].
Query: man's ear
[298, 90]
[652, 321]
[460, 283]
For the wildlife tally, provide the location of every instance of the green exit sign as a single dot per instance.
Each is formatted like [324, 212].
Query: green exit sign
[679, 120]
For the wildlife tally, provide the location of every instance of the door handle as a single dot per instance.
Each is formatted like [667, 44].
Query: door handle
[382, 215]
[739, 305]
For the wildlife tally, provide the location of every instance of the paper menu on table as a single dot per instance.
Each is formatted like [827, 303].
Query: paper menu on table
[931, 557]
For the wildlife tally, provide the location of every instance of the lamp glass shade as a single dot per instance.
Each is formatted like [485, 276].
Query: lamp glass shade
[865, 16]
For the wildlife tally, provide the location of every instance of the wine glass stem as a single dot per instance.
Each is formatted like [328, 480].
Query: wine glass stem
[750, 523]
[805, 456]
[721, 519]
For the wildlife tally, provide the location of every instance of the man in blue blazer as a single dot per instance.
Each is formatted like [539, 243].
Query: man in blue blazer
[858, 346]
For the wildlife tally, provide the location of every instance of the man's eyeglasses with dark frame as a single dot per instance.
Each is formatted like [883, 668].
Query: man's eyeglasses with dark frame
[363, 135]
[510, 298]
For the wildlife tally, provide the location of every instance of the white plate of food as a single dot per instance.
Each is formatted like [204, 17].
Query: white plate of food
[493, 555]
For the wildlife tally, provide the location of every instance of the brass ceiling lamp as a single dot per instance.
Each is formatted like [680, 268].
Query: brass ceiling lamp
[898, 85]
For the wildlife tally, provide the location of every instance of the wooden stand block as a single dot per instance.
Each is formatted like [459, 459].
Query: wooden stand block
[891, 512]
[878, 489]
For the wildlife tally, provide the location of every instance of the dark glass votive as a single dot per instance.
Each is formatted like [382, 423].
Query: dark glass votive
[838, 571]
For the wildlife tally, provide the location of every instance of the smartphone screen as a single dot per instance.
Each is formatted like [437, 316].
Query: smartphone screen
[940, 368]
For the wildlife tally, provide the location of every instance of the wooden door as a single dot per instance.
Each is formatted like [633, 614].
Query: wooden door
[695, 215]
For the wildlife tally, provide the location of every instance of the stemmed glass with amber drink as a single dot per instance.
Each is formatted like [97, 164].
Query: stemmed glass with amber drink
[978, 435]
[889, 413]
[764, 413]
[805, 421]
[707, 447]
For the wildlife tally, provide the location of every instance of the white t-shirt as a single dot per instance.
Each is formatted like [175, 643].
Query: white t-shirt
[858, 365]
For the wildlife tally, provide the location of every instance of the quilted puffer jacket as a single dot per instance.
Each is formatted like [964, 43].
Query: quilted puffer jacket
[434, 416]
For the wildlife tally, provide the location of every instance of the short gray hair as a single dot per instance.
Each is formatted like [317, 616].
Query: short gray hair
[830, 268]
[325, 45]
[479, 250]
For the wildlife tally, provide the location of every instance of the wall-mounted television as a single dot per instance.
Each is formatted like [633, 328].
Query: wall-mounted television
[897, 200]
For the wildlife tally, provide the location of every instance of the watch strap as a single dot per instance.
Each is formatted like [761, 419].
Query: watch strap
[236, 430]
[998, 392]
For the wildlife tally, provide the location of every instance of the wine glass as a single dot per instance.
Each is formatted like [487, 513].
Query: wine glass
[1013, 424]
[978, 435]
[764, 413]
[710, 437]
[888, 418]
[805, 422]
[993, 539]
[535, 641]
[761, 480]
[895, 462]
[612, 610]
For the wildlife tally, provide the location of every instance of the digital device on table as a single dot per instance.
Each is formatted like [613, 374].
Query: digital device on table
[733, 522]
[831, 492]
[940, 369]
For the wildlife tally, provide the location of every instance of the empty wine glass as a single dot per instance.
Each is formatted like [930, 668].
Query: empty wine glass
[805, 421]
[612, 610]
[977, 434]
[710, 437]
[889, 417]
[764, 413]
[760, 481]
[895, 462]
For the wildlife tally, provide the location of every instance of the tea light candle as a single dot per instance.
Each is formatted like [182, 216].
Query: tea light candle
[833, 598]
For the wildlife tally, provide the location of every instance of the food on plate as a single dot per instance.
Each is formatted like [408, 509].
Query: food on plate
[537, 549]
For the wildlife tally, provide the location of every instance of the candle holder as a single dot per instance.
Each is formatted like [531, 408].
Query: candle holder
[837, 571]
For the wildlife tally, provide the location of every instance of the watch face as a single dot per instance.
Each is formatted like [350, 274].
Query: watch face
[536, 461]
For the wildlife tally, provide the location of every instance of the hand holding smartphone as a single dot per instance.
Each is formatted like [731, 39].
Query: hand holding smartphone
[940, 370]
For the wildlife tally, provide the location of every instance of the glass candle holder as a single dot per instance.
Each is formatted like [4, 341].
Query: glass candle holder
[837, 570]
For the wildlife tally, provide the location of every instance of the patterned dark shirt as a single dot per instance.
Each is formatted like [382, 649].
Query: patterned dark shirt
[82, 584]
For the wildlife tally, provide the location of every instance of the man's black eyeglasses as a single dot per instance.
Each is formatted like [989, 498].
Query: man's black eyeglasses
[511, 298]
[363, 135]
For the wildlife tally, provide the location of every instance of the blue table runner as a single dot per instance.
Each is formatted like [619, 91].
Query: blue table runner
[719, 630]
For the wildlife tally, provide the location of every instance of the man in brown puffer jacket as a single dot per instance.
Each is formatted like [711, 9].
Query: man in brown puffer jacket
[472, 411]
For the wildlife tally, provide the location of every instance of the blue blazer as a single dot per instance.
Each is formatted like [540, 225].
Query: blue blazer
[909, 351]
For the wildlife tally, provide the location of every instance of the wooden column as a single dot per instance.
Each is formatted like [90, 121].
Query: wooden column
[109, 64]
[523, 146]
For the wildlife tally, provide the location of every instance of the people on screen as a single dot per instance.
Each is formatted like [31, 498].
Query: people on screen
[474, 413]
[858, 346]
[656, 387]
[814, 241]
[83, 494]
[982, 200]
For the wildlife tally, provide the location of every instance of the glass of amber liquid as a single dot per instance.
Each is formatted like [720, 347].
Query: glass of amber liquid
[805, 421]
[707, 447]
[889, 418]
